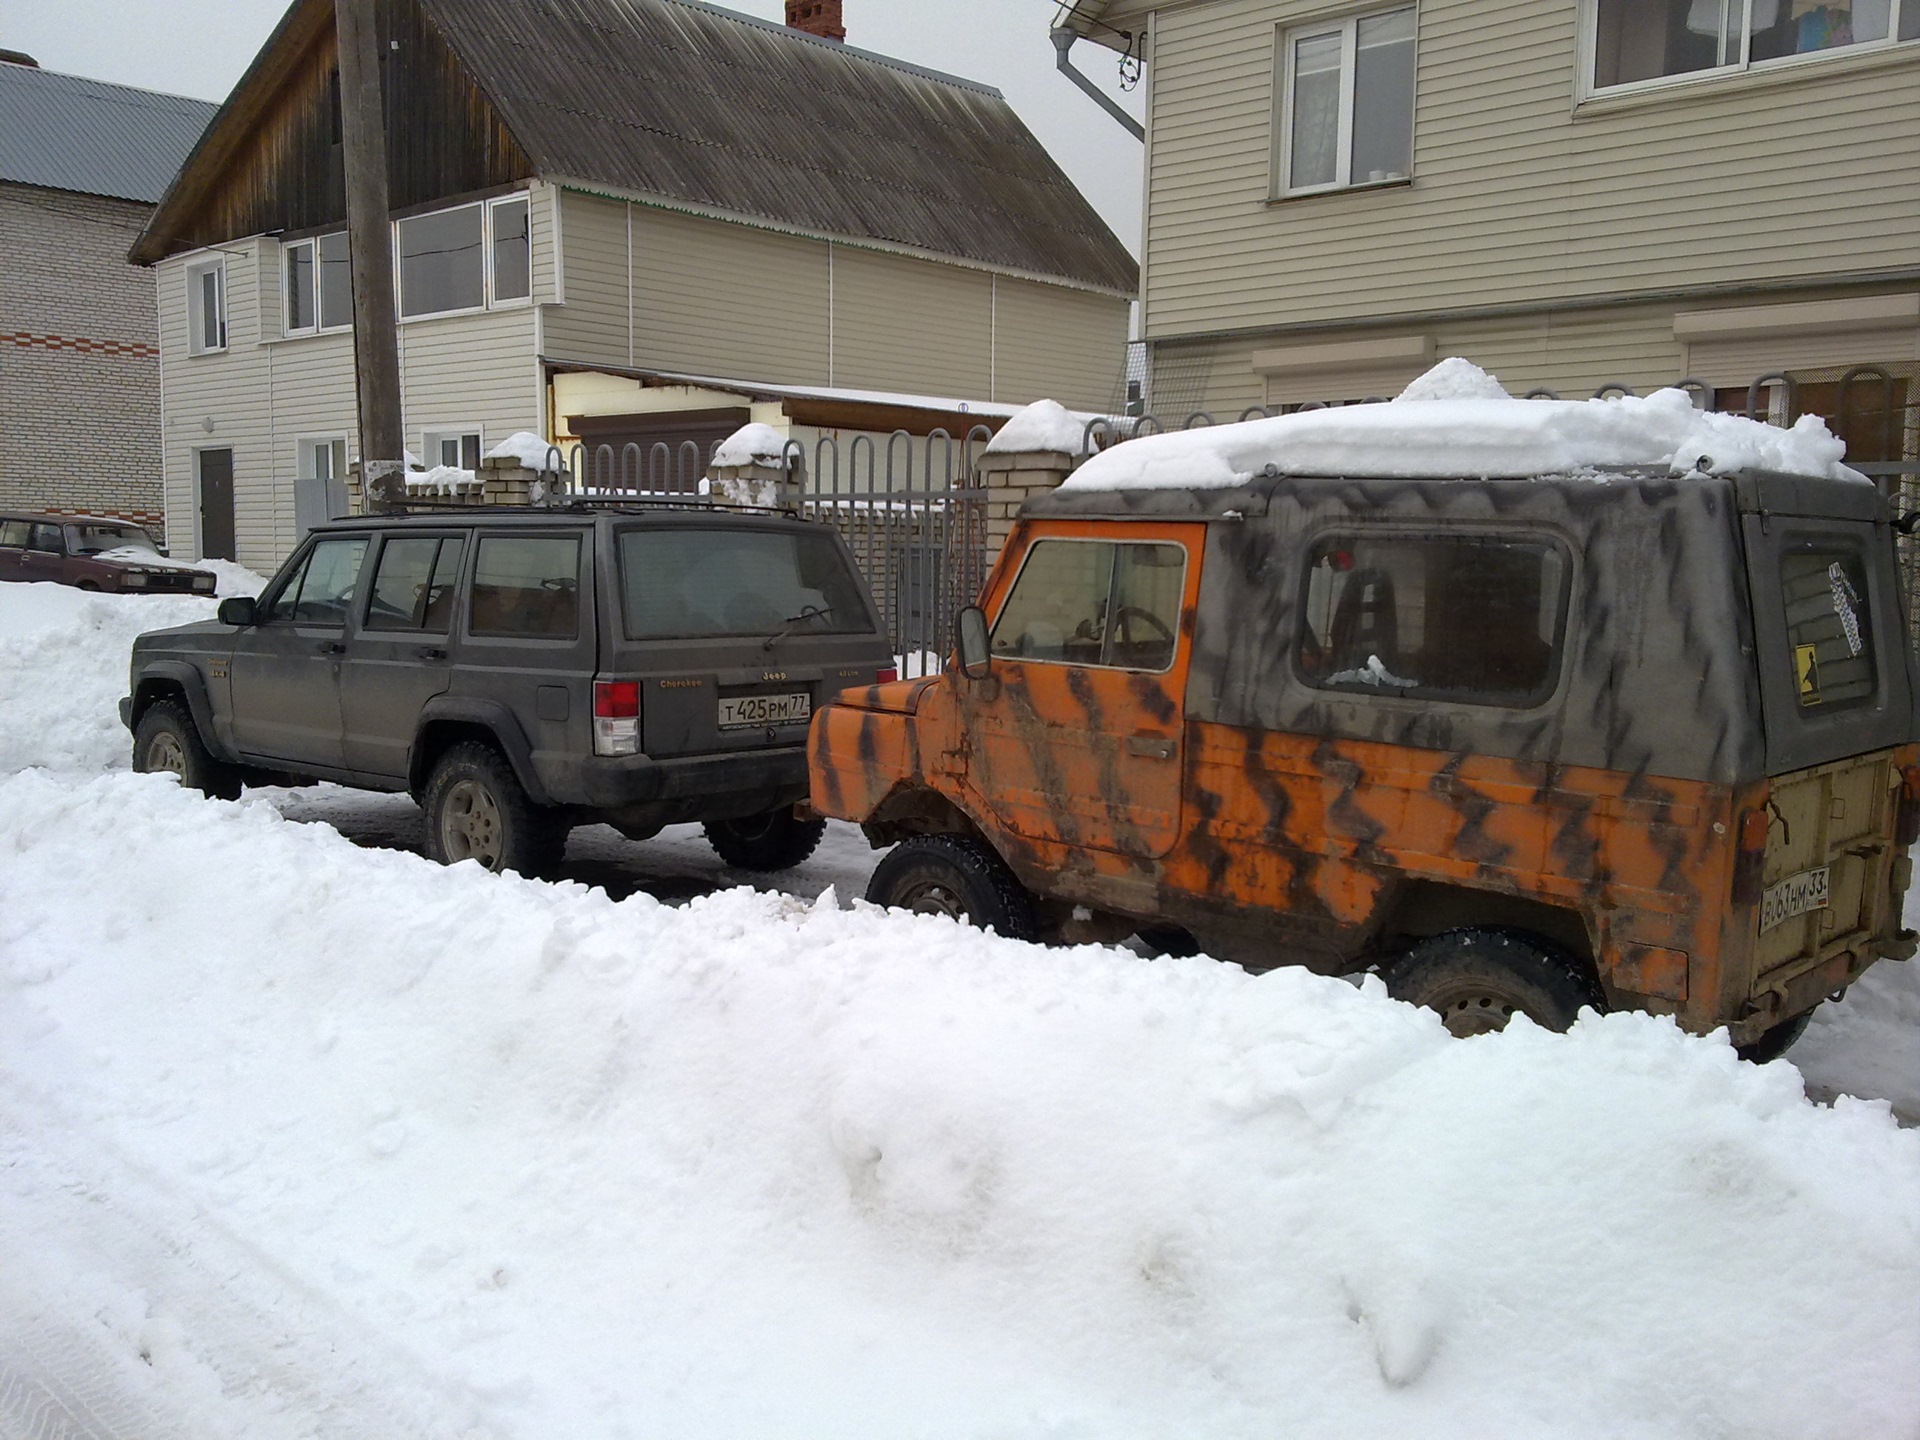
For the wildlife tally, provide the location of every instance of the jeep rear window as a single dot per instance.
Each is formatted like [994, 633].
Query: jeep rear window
[1094, 602]
[1829, 635]
[678, 582]
[1461, 617]
[527, 585]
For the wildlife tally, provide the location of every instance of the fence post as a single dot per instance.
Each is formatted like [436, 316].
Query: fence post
[1012, 477]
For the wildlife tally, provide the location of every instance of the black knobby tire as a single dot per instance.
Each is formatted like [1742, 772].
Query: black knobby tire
[1169, 940]
[1774, 1043]
[954, 875]
[167, 742]
[773, 840]
[477, 810]
[1477, 979]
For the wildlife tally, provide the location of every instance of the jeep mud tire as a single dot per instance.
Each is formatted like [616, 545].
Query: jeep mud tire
[167, 742]
[1478, 979]
[773, 840]
[954, 875]
[477, 810]
[1772, 1044]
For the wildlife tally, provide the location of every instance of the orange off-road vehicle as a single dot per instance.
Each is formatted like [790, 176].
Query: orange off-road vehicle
[1628, 739]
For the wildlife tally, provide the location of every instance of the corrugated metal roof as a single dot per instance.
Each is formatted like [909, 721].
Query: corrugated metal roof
[727, 113]
[66, 133]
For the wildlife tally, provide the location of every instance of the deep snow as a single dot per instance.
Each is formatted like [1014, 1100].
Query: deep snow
[303, 1138]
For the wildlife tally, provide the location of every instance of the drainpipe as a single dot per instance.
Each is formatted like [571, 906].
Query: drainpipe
[1063, 39]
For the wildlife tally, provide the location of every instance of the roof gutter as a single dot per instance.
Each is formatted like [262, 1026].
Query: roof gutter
[1063, 39]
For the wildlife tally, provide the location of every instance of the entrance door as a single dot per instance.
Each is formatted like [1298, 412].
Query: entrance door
[1079, 740]
[214, 479]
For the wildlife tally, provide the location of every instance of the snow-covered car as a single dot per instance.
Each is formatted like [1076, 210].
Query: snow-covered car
[523, 672]
[93, 553]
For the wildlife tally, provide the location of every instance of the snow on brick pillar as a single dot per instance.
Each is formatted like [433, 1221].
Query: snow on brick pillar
[816, 17]
[1034, 451]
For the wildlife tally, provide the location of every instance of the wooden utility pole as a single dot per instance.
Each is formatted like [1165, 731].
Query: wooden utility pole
[376, 350]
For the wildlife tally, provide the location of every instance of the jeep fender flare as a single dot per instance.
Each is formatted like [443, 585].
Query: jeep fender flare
[165, 676]
[474, 714]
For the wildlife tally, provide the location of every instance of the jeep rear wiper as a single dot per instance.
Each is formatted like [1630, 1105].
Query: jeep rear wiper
[808, 612]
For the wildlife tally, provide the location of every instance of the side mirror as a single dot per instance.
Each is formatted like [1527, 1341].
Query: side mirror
[237, 610]
[976, 661]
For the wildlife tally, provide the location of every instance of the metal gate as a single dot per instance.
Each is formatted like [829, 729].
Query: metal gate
[909, 507]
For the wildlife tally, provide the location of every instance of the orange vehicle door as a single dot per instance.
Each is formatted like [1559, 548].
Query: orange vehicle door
[1076, 735]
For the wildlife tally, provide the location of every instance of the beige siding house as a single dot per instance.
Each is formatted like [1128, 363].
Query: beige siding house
[660, 221]
[1572, 193]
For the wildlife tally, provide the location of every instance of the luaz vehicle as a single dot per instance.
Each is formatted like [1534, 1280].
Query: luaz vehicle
[1614, 737]
[93, 553]
[521, 672]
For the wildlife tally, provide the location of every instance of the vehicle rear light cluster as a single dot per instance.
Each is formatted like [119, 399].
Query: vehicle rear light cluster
[1750, 860]
[616, 717]
[886, 675]
[1906, 825]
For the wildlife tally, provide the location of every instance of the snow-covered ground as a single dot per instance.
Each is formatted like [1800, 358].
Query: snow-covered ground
[302, 1136]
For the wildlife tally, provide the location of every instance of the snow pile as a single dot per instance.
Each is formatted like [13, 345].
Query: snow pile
[1451, 423]
[145, 556]
[754, 444]
[529, 451]
[758, 1167]
[1045, 425]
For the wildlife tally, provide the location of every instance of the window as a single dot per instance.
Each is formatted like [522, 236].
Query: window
[318, 284]
[1094, 602]
[335, 282]
[1347, 102]
[1828, 626]
[512, 250]
[14, 533]
[207, 307]
[679, 582]
[527, 586]
[48, 538]
[1474, 618]
[442, 264]
[93, 538]
[457, 448]
[1643, 41]
[320, 589]
[320, 481]
[296, 264]
[413, 584]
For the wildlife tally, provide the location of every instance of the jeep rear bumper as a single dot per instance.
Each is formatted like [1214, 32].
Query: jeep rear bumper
[721, 786]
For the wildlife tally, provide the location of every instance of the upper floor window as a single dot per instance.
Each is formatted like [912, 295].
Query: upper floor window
[464, 258]
[207, 306]
[318, 284]
[1347, 102]
[1643, 41]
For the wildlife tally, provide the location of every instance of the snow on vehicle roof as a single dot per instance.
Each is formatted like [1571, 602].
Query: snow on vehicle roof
[1457, 420]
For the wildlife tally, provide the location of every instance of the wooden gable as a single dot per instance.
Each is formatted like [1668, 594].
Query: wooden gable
[271, 160]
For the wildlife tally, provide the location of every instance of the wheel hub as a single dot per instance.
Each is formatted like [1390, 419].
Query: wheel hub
[166, 756]
[933, 898]
[470, 825]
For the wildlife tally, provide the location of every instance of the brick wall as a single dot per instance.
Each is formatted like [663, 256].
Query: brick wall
[79, 358]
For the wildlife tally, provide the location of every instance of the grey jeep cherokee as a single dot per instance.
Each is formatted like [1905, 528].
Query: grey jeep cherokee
[520, 672]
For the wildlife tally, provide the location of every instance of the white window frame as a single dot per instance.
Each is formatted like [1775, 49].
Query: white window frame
[196, 336]
[511, 302]
[431, 440]
[307, 448]
[287, 249]
[1347, 27]
[1586, 89]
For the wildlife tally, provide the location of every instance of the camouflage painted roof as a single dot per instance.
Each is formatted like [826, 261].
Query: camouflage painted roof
[62, 132]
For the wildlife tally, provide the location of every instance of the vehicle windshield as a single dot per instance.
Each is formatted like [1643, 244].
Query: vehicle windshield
[679, 582]
[91, 539]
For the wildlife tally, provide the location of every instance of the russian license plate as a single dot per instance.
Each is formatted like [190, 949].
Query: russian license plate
[1795, 895]
[739, 711]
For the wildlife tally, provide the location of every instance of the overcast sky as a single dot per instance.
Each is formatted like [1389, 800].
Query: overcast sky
[200, 47]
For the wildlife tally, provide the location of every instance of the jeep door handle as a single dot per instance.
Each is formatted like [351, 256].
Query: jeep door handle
[1151, 747]
[331, 647]
[431, 652]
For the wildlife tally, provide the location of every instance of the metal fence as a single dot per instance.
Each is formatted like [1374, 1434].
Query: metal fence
[908, 507]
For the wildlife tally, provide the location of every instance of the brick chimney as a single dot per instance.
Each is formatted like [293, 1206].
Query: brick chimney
[816, 17]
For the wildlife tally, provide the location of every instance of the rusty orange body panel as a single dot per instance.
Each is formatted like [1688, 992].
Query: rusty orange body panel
[1101, 787]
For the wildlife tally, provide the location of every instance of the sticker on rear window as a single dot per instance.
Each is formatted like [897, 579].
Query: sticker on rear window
[1806, 669]
[1846, 603]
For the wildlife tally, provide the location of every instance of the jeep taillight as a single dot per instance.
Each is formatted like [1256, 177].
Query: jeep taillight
[1750, 860]
[1906, 824]
[616, 717]
[887, 675]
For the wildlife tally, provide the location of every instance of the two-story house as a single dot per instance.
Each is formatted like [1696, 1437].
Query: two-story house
[618, 220]
[1572, 193]
[81, 163]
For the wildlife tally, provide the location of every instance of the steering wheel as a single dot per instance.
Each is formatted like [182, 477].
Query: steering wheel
[1124, 617]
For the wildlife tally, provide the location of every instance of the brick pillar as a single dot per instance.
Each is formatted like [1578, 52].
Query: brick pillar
[816, 17]
[759, 484]
[1013, 478]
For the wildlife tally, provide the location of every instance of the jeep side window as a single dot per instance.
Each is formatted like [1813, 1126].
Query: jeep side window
[319, 593]
[1094, 602]
[413, 584]
[1829, 634]
[1473, 618]
[527, 586]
